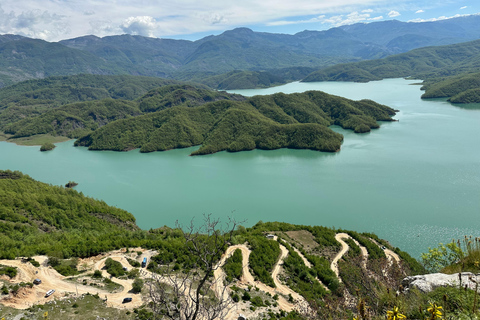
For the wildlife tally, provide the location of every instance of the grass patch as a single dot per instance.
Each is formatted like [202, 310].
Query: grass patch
[4, 137]
[304, 237]
[36, 140]
[87, 307]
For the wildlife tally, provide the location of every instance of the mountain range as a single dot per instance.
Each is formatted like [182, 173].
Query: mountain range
[240, 49]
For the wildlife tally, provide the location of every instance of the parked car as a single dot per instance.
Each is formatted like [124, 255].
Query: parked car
[37, 281]
[49, 293]
[128, 299]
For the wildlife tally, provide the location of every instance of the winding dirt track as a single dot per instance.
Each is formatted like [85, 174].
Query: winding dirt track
[339, 237]
[51, 279]
[248, 280]
[309, 265]
[391, 256]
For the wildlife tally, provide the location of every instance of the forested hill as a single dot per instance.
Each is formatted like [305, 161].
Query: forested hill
[453, 67]
[297, 121]
[35, 215]
[178, 115]
[59, 90]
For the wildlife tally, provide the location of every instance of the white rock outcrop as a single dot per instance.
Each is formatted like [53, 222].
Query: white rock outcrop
[429, 282]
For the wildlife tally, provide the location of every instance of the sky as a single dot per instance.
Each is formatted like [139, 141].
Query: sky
[55, 20]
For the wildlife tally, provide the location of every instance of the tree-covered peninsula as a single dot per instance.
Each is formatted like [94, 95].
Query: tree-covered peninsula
[297, 121]
[176, 115]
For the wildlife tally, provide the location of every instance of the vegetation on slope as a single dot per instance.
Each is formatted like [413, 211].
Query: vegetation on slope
[233, 266]
[37, 218]
[42, 219]
[464, 88]
[419, 63]
[181, 95]
[74, 120]
[300, 278]
[60, 90]
[265, 122]
[265, 253]
[449, 71]
[33, 98]
[255, 79]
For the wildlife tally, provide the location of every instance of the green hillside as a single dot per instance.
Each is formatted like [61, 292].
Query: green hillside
[267, 122]
[419, 63]
[37, 218]
[117, 113]
[73, 120]
[56, 91]
[24, 58]
[41, 219]
[448, 71]
[459, 89]
[47, 98]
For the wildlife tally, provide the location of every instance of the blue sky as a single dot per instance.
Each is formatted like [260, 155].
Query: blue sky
[54, 20]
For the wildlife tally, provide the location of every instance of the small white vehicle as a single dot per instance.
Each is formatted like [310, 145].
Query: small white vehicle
[49, 293]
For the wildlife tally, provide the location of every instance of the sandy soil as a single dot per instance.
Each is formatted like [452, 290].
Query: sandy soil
[51, 279]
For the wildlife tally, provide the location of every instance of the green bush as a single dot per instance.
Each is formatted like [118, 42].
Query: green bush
[233, 266]
[11, 272]
[137, 285]
[114, 268]
[257, 301]
[97, 274]
[246, 296]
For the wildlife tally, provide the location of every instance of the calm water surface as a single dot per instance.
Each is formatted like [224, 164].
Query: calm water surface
[415, 182]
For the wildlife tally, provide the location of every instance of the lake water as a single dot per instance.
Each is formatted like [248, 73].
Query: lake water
[415, 182]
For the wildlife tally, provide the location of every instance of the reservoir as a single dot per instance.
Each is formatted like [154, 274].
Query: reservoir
[415, 182]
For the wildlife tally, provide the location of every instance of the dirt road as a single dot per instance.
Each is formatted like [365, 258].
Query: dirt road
[51, 279]
[339, 237]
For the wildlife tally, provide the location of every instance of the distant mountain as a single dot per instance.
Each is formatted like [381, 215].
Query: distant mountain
[400, 36]
[447, 70]
[25, 58]
[240, 49]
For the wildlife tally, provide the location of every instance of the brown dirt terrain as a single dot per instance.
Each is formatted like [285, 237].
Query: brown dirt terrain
[51, 279]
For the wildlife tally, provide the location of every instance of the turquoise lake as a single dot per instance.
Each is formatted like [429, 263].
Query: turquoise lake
[415, 182]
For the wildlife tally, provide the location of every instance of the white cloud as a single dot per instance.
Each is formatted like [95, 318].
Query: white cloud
[351, 18]
[441, 18]
[54, 20]
[33, 23]
[464, 7]
[214, 18]
[376, 18]
[73, 18]
[393, 14]
[419, 11]
[287, 22]
[141, 25]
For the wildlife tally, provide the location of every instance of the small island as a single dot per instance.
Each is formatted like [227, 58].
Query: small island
[71, 184]
[47, 146]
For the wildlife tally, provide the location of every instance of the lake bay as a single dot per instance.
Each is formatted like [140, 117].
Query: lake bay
[415, 182]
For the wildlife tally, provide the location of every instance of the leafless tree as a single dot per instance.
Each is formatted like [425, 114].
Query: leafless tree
[195, 293]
